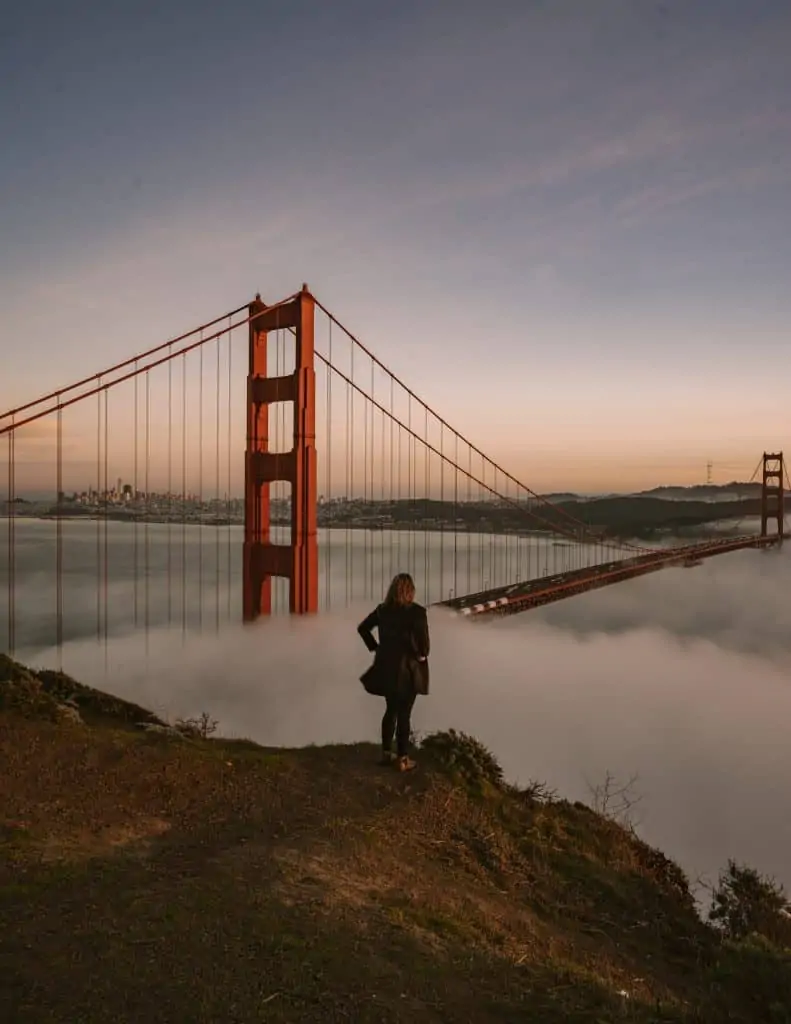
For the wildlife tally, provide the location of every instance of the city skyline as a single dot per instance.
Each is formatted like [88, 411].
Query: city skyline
[565, 227]
[30, 483]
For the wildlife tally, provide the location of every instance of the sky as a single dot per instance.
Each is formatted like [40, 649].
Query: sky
[566, 225]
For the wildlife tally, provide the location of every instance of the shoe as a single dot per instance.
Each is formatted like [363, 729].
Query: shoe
[388, 758]
[405, 764]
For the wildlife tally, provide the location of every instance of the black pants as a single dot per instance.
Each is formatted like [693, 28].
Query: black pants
[397, 719]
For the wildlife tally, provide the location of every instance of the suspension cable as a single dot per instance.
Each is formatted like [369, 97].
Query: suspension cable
[417, 398]
[118, 366]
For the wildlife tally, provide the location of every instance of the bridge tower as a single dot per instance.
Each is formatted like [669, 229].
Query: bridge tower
[772, 493]
[262, 559]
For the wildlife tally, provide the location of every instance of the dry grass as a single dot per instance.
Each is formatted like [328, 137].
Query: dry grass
[144, 878]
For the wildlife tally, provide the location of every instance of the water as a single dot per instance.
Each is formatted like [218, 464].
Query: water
[681, 677]
[189, 578]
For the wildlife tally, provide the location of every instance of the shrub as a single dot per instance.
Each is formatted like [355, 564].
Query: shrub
[746, 903]
[537, 791]
[465, 756]
[203, 726]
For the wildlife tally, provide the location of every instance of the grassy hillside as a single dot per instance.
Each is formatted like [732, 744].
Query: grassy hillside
[151, 875]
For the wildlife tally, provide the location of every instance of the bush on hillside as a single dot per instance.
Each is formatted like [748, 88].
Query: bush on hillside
[202, 727]
[465, 756]
[537, 792]
[21, 691]
[94, 702]
[747, 903]
[44, 693]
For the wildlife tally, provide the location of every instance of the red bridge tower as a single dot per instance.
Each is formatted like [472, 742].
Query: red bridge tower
[297, 561]
[772, 493]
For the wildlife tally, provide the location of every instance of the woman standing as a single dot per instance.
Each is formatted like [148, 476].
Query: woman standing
[400, 668]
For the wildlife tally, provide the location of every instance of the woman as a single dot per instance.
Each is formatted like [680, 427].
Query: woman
[400, 669]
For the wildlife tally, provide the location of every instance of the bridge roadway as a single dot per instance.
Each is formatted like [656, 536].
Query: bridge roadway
[520, 597]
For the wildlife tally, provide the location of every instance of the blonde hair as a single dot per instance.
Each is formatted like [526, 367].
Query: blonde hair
[401, 591]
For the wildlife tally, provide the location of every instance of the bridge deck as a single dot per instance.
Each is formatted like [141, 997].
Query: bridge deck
[520, 597]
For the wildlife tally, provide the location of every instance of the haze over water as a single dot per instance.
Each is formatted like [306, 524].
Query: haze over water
[681, 677]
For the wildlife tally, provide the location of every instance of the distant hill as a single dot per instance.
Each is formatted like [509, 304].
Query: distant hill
[644, 515]
[561, 496]
[627, 516]
[692, 492]
[704, 492]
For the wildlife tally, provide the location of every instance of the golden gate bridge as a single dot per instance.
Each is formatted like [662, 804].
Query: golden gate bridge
[348, 476]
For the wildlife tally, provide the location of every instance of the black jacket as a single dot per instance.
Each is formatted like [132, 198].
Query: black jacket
[400, 657]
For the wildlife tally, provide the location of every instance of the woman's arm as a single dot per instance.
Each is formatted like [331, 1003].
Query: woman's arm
[369, 623]
[420, 636]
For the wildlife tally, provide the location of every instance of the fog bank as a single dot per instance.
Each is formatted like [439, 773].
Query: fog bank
[658, 677]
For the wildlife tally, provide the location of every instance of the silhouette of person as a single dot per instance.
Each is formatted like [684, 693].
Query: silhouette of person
[400, 668]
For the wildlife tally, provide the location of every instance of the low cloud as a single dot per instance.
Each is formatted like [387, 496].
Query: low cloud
[682, 678]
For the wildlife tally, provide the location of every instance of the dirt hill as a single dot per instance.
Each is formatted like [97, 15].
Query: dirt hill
[151, 875]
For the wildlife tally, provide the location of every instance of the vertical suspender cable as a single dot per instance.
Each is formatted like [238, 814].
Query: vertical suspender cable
[366, 506]
[59, 538]
[329, 507]
[397, 507]
[97, 502]
[106, 574]
[11, 539]
[170, 485]
[426, 514]
[383, 506]
[183, 497]
[372, 449]
[217, 490]
[147, 484]
[135, 496]
[11, 523]
[391, 503]
[228, 499]
[346, 504]
[200, 487]
[351, 463]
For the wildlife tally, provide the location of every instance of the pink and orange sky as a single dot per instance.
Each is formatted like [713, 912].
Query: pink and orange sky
[566, 225]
